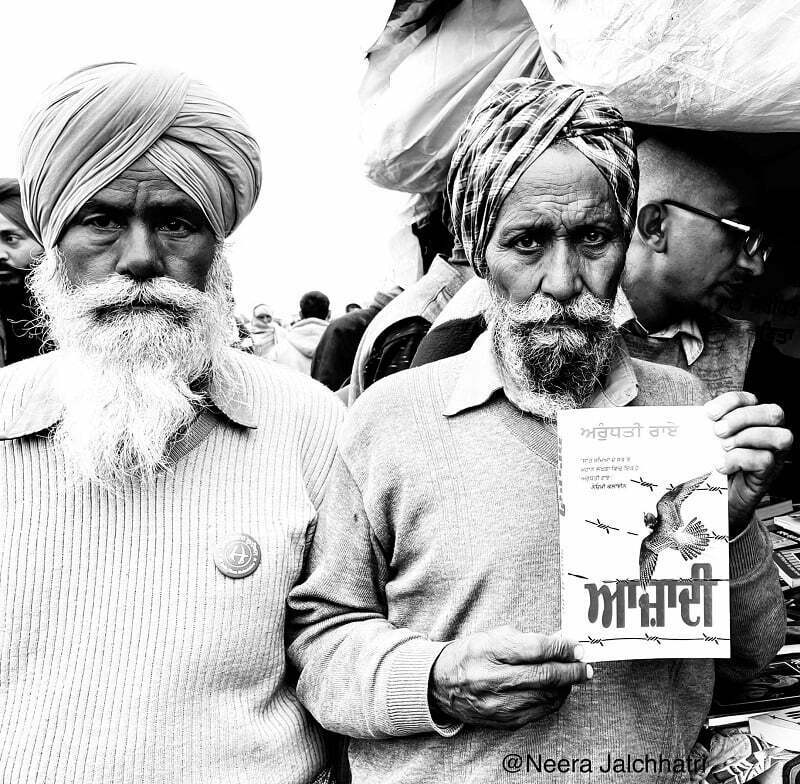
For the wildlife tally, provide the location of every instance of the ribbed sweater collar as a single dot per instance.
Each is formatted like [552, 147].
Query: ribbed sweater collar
[33, 406]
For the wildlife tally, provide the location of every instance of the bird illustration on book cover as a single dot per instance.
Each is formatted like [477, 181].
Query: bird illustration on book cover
[668, 531]
[644, 539]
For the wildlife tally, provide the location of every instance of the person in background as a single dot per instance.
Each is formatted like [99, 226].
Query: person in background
[244, 340]
[351, 306]
[157, 486]
[392, 338]
[265, 330]
[302, 338]
[18, 248]
[333, 360]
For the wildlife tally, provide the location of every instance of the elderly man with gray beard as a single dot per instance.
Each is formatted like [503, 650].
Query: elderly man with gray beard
[158, 486]
[439, 652]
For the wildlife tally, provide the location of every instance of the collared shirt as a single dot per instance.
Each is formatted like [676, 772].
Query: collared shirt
[39, 408]
[480, 378]
[687, 329]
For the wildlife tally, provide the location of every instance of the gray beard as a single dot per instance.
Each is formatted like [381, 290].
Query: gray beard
[131, 380]
[551, 355]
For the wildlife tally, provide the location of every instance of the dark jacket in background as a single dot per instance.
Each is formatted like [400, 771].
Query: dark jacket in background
[336, 351]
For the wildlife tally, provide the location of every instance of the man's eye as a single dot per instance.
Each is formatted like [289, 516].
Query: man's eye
[12, 240]
[527, 242]
[594, 237]
[102, 222]
[176, 226]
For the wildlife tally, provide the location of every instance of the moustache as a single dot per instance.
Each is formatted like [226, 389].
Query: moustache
[119, 295]
[541, 311]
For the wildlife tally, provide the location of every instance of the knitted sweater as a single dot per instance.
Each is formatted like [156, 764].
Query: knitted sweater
[453, 529]
[125, 654]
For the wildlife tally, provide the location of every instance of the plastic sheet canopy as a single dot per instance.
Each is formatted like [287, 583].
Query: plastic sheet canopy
[708, 64]
[426, 72]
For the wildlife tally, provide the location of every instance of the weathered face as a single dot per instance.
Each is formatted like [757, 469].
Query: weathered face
[17, 249]
[141, 226]
[707, 266]
[558, 232]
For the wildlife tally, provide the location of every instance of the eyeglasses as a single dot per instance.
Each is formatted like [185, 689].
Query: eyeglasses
[755, 240]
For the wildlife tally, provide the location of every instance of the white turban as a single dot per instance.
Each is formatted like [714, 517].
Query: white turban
[94, 124]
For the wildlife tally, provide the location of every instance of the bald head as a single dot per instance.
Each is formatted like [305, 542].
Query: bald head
[682, 264]
[683, 165]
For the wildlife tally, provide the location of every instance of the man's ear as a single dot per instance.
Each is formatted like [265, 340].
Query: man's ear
[650, 225]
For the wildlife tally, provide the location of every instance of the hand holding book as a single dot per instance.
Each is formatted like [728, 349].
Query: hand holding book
[505, 678]
[755, 444]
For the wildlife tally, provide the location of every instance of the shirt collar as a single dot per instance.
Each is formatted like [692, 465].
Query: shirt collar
[687, 330]
[33, 406]
[480, 378]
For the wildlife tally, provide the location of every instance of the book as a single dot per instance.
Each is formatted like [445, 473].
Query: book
[776, 688]
[780, 728]
[644, 533]
[788, 522]
[773, 508]
[780, 539]
[788, 563]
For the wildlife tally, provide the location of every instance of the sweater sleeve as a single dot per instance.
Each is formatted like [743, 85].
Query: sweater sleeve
[758, 615]
[359, 675]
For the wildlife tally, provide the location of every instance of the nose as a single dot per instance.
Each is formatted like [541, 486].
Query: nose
[753, 265]
[139, 256]
[4, 252]
[560, 278]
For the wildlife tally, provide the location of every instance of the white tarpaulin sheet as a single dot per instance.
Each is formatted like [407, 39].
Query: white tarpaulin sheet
[708, 64]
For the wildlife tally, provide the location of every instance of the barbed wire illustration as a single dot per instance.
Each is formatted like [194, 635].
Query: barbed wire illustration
[657, 639]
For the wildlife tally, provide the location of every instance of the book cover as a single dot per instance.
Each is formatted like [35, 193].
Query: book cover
[780, 540]
[644, 533]
[788, 563]
[775, 507]
[789, 522]
[776, 688]
[778, 728]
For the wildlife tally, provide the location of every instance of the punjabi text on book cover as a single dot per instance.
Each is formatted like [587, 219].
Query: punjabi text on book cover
[644, 533]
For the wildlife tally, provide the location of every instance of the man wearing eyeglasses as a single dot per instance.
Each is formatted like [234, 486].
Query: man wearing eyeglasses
[697, 245]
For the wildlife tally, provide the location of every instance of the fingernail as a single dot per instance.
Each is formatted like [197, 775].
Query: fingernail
[727, 445]
[578, 651]
[721, 429]
[589, 672]
[720, 468]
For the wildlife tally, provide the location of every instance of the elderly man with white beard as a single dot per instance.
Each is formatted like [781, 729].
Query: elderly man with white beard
[440, 654]
[158, 486]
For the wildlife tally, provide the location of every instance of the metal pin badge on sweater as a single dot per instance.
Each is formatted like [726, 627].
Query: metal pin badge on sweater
[238, 556]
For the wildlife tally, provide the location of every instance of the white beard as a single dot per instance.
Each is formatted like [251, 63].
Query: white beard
[551, 355]
[131, 380]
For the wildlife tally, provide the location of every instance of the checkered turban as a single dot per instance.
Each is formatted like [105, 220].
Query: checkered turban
[90, 127]
[511, 126]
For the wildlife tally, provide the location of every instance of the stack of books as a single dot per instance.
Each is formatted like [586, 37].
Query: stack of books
[771, 702]
[785, 536]
[770, 508]
[777, 688]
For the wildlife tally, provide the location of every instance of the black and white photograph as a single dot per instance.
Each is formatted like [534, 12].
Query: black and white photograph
[400, 392]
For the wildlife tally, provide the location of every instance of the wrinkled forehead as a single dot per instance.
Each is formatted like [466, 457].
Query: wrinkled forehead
[141, 172]
[143, 185]
[560, 187]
